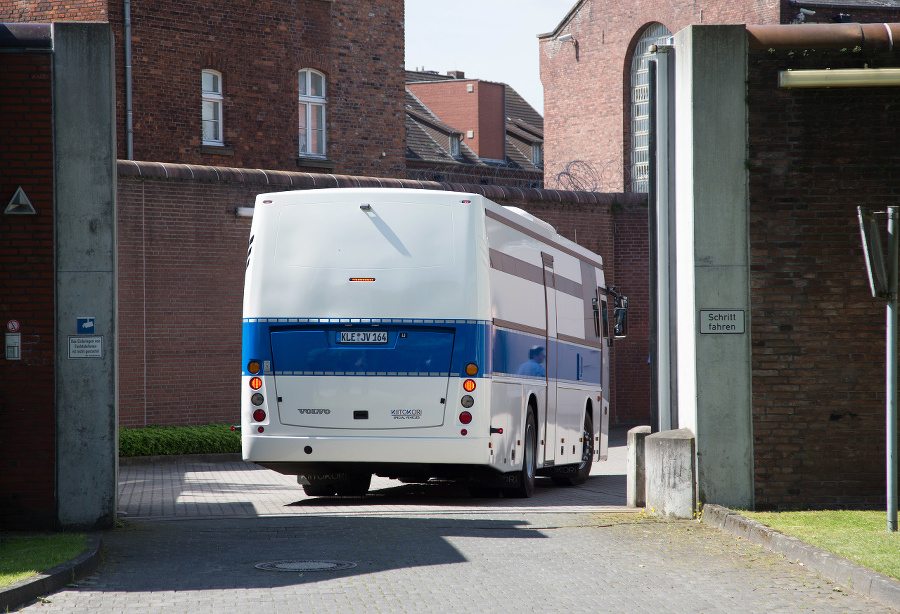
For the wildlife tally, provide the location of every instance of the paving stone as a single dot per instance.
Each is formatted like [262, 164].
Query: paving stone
[196, 531]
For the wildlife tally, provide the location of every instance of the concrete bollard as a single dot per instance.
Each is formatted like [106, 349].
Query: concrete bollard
[671, 474]
[636, 481]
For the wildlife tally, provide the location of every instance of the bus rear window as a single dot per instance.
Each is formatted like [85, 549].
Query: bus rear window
[348, 236]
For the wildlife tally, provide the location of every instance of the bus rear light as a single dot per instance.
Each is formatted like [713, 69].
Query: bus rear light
[260, 429]
[259, 415]
[471, 369]
[255, 383]
[467, 401]
[257, 399]
[254, 367]
[469, 385]
[465, 417]
[464, 432]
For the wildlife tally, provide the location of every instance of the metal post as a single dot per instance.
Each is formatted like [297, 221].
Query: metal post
[891, 367]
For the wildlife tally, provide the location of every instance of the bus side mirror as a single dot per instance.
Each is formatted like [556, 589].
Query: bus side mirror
[620, 327]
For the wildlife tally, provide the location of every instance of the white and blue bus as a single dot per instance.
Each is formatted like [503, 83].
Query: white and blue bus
[417, 334]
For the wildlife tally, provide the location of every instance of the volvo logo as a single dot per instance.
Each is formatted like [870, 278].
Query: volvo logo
[314, 411]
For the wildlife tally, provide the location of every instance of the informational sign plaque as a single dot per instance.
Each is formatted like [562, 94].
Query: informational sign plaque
[721, 321]
[86, 346]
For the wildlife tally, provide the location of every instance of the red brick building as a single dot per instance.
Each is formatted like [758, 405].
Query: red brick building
[594, 71]
[471, 131]
[27, 385]
[278, 84]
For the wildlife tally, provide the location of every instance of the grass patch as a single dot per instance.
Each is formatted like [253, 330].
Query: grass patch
[23, 557]
[860, 536]
[164, 440]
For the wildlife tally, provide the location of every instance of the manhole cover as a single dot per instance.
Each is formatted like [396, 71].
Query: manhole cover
[305, 565]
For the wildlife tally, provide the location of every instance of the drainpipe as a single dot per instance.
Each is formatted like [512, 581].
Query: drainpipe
[874, 36]
[129, 126]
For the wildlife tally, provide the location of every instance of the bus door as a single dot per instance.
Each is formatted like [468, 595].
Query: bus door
[550, 433]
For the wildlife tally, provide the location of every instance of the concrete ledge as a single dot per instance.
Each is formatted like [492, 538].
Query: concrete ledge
[868, 582]
[162, 459]
[86, 563]
[671, 474]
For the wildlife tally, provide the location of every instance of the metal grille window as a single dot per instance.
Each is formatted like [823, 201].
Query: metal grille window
[657, 34]
[312, 113]
[211, 84]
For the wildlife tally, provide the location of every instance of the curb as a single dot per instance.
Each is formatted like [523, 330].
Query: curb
[50, 581]
[883, 589]
[220, 457]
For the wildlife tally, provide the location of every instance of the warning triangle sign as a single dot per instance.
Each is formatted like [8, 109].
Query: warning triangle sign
[19, 205]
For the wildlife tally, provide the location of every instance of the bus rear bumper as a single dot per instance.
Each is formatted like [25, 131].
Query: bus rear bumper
[268, 449]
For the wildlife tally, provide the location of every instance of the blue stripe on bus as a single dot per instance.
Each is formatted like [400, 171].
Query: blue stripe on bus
[415, 348]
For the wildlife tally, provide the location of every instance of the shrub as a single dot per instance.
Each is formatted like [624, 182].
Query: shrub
[162, 440]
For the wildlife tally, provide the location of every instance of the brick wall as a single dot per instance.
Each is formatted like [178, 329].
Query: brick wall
[27, 386]
[181, 266]
[52, 10]
[632, 267]
[817, 334]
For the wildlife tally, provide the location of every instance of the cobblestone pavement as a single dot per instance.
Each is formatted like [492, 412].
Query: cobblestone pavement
[196, 533]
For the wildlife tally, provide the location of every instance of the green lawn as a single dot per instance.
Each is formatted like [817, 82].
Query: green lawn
[21, 557]
[860, 536]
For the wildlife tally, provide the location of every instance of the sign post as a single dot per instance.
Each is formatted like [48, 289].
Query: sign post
[891, 367]
[883, 283]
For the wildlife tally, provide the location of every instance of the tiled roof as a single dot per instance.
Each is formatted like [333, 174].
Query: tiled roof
[428, 138]
[518, 110]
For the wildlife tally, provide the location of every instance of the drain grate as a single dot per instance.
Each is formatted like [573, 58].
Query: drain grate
[296, 566]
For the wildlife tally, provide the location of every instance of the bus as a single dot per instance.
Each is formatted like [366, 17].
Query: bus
[420, 334]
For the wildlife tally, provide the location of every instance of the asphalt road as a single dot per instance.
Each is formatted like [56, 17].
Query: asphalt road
[196, 533]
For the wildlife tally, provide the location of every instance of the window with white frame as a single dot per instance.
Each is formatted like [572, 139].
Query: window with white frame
[212, 107]
[655, 34]
[537, 154]
[312, 112]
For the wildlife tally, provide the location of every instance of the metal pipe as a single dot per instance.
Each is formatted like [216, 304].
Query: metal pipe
[891, 367]
[873, 36]
[129, 126]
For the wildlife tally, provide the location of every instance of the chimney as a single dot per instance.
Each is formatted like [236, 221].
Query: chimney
[456, 74]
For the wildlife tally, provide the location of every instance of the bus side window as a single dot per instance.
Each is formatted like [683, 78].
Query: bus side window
[605, 317]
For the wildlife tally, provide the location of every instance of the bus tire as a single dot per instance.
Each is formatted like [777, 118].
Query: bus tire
[357, 485]
[525, 488]
[319, 490]
[583, 471]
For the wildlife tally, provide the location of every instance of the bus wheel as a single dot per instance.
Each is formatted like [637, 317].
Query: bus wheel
[357, 485]
[583, 469]
[319, 490]
[525, 488]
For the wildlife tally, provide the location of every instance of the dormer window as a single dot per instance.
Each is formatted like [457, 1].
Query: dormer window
[454, 145]
[537, 154]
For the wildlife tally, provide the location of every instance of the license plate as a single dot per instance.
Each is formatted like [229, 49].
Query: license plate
[363, 336]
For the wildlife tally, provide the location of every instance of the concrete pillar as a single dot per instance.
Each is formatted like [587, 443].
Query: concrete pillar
[85, 195]
[636, 477]
[713, 259]
[671, 474]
